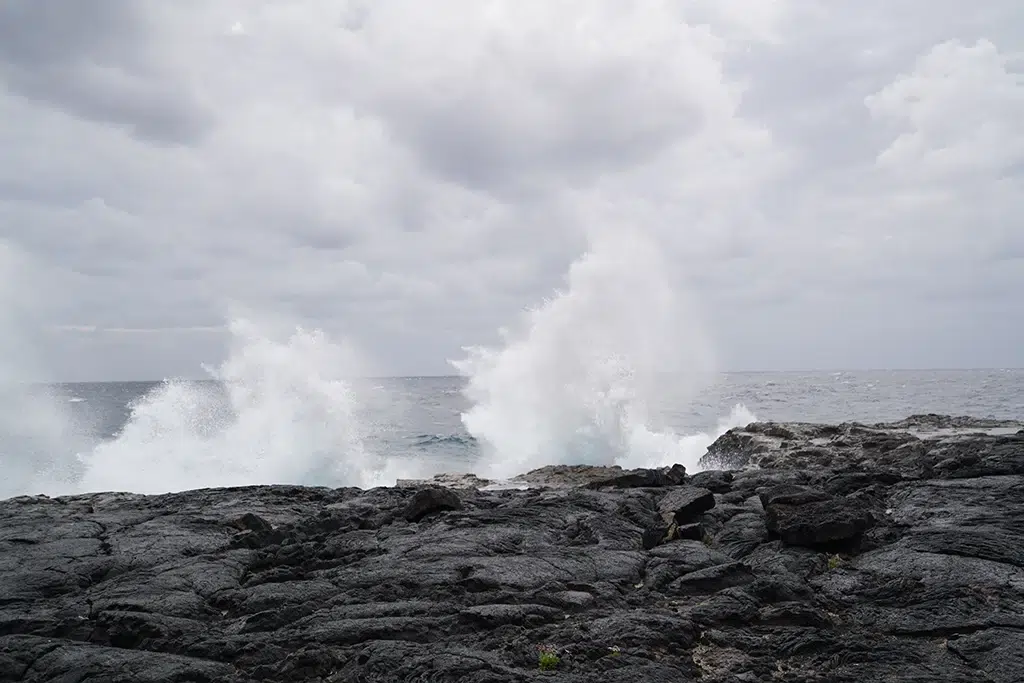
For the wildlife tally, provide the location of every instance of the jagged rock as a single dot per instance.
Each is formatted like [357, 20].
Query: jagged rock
[251, 522]
[791, 494]
[693, 532]
[908, 567]
[643, 478]
[685, 504]
[817, 523]
[655, 535]
[716, 481]
[997, 652]
[742, 534]
[430, 500]
[911, 446]
[601, 476]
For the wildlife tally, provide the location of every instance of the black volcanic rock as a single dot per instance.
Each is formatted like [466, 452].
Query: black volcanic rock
[791, 494]
[834, 553]
[821, 523]
[809, 517]
[685, 504]
[603, 476]
[716, 481]
[429, 500]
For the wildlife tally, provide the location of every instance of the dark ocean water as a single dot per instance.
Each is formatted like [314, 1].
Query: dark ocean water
[152, 437]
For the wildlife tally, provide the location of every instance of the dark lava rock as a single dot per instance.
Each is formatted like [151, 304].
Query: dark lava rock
[251, 522]
[716, 481]
[791, 494]
[693, 532]
[817, 524]
[602, 476]
[643, 478]
[685, 504]
[845, 553]
[742, 534]
[808, 517]
[430, 500]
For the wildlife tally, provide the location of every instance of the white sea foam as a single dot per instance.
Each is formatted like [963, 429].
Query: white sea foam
[285, 412]
[574, 383]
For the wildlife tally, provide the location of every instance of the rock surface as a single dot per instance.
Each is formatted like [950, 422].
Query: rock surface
[832, 553]
[685, 504]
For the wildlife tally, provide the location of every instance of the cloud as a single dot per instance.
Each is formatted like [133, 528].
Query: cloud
[963, 106]
[94, 60]
[413, 175]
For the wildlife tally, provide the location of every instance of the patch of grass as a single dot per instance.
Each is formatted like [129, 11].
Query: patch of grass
[834, 561]
[547, 658]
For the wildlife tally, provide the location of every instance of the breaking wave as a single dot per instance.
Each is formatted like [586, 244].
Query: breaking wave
[281, 412]
[575, 382]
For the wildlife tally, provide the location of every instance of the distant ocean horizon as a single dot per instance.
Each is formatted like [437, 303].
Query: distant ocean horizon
[454, 376]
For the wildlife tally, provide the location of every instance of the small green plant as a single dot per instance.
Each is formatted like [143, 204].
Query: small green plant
[834, 561]
[548, 659]
[706, 539]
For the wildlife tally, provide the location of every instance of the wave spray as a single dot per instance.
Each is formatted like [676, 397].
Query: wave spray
[277, 412]
[575, 382]
[38, 438]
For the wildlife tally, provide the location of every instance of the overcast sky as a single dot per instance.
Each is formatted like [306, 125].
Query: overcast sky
[837, 184]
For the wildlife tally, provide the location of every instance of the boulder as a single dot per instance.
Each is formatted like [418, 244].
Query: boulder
[820, 523]
[430, 500]
[685, 504]
[716, 481]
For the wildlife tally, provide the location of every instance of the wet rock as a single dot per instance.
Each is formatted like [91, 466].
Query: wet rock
[847, 552]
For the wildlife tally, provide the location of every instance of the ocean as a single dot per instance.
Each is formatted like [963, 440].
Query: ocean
[155, 437]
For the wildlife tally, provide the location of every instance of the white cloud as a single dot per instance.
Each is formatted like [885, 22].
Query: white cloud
[415, 173]
[964, 106]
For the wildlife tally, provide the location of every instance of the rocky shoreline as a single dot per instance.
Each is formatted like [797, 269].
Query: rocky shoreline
[889, 552]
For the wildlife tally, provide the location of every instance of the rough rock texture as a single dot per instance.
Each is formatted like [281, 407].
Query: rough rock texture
[685, 504]
[600, 476]
[429, 500]
[833, 553]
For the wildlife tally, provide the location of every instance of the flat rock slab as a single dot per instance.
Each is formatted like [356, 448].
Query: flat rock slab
[835, 552]
[601, 476]
[791, 494]
[685, 504]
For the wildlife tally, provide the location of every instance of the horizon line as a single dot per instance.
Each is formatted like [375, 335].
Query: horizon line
[451, 376]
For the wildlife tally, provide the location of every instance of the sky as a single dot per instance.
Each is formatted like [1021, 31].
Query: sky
[837, 184]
